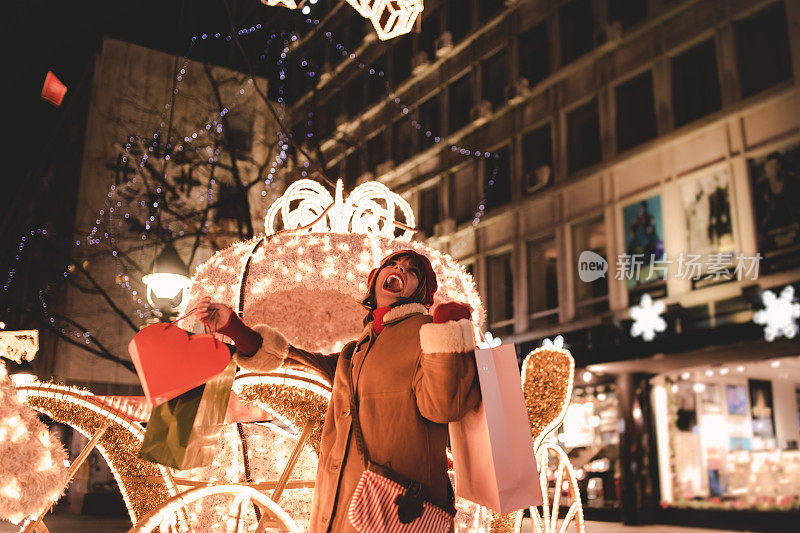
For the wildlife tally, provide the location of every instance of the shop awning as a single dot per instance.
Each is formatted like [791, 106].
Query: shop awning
[662, 363]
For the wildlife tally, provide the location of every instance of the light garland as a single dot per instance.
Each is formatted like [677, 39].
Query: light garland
[548, 520]
[19, 345]
[144, 485]
[32, 463]
[166, 516]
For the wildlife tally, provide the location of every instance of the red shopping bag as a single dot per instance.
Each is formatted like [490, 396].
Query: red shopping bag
[171, 361]
[492, 446]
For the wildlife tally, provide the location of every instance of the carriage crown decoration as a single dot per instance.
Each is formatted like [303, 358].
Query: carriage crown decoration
[371, 208]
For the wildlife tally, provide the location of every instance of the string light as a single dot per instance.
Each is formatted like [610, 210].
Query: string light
[490, 157]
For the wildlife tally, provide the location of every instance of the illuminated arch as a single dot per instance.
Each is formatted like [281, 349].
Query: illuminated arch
[144, 485]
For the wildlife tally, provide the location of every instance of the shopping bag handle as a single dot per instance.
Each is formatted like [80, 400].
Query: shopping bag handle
[206, 329]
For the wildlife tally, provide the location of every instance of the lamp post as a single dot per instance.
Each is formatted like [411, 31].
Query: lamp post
[21, 373]
[166, 283]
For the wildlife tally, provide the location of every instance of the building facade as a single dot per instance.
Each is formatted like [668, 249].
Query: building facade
[577, 156]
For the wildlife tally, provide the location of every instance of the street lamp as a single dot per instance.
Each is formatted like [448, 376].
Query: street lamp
[21, 373]
[167, 281]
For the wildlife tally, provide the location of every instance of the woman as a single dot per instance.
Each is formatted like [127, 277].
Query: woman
[412, 374]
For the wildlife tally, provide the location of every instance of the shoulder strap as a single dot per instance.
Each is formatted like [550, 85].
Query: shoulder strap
[362, 447]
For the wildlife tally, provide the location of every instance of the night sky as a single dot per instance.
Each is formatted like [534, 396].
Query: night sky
[44, 35]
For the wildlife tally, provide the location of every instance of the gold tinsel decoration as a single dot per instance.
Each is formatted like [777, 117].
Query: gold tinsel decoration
[547, 386]
[503, 523]
[144, 485]
[290, 404]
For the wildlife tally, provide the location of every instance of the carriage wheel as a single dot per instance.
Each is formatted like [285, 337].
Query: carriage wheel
[239, 517]
[554, 466]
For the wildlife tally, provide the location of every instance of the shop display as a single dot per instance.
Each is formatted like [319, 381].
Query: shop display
[740, 454]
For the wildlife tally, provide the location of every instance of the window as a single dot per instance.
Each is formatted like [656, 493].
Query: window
[464, 194]
[353, 33]
[763, 50]
[583, 137]
[460, 100]
[430, 117]
[494, 77]
[537, 158]
[431, 29]
[352, 169]
[627, 12]
[401, 64]
[636, 116]
[240, 129]
[402, 138]
[376, 83]
[228, 202]
[543, 280]
[459, 18]
[501, 290]
[354, 96]
[695, 83]
[590, 297]
[428, 215]
[376, 152]
[488, 9]
[497, 179]
[533, 54]
[577, 29]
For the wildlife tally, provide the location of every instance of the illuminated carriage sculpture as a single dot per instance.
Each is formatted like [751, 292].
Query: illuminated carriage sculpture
[305, 278]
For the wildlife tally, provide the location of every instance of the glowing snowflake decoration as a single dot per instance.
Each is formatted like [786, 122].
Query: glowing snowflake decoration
[647, 319]
[489, 342]
[779, 314]
[555, 344]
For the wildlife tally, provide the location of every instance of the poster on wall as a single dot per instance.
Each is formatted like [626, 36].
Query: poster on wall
[737, 399]
[710, 398]
[797, 398]
[775, 180]
[644, 240]
[707, 211]
[762, 413]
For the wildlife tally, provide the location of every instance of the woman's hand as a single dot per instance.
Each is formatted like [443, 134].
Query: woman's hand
[448, 311]
[214, 315]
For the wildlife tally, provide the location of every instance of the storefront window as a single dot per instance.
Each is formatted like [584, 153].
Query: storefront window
[732, 432]
[590, 435]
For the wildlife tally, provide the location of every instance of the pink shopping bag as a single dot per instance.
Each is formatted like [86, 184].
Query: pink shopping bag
[492, 446]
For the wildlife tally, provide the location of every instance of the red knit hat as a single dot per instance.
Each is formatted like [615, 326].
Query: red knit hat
[430, 276]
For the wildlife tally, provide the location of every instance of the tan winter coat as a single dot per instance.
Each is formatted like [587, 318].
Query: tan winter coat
[411, 380]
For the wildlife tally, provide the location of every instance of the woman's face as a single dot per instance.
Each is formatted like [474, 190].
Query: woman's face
[398, 279]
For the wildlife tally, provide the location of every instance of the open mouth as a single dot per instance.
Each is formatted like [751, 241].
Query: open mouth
[393, 283]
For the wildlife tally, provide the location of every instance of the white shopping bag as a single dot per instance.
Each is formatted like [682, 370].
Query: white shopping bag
[492, 446]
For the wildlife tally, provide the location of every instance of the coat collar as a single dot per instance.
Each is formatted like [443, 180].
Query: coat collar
[402, 311]
[395, 315]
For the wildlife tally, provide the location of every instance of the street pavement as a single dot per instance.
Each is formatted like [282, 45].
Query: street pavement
[64, 523]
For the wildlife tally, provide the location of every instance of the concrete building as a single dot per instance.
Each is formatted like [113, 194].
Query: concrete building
[527, 133]
[138, 95]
